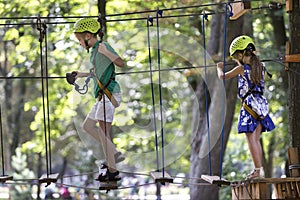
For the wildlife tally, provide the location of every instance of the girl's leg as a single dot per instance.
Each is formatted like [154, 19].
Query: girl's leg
[253, 140]
[255, 148]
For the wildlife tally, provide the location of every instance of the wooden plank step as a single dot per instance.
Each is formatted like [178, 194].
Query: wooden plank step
[215, 180]
[5, 178]
[109, 185]
[239, 8]
[160, 177]
[49, 178]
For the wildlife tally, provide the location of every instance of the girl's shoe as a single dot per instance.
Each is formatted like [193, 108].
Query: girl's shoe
[256, 173]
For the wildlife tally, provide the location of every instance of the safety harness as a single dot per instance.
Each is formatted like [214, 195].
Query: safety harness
[248, 108]
[104, 90]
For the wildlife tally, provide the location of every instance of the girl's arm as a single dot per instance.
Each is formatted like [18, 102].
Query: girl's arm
[114, 58]
[230, 74]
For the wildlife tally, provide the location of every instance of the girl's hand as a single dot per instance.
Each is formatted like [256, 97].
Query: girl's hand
[220, 65]
[237, 61]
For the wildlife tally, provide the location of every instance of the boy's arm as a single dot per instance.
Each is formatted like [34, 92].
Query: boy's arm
[81, 74]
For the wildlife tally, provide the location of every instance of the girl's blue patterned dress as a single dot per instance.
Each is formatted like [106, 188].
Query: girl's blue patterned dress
[247, 124]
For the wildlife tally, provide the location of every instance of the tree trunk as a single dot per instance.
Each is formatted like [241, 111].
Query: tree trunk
[293, 76]
[203, 159]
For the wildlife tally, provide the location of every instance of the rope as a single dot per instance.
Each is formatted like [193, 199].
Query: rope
[2, 149]
[211, 12]
[149, 23]
[47, 96]
[159, 12]
[223, 93]
[41, 30]
[206, 93]
[269, 6]
[277, 60]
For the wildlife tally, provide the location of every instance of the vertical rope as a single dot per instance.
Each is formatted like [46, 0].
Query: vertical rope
[101, 34]
[2, 149]
[204, 17]
[40, 29]
[159, 12]
[223, 93]
[150, 23]
[47, 96]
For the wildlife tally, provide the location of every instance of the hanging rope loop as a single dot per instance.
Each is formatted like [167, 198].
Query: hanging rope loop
[101, 19]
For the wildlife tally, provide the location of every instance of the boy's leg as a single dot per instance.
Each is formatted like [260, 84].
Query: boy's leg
[89, 125]
[107, 148]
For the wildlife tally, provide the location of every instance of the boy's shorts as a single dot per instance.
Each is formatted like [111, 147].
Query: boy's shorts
[97, 112]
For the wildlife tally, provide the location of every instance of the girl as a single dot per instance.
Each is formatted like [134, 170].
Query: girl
[254, 117]
[104, 58]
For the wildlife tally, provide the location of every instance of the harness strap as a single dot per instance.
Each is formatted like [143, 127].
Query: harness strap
[247, 108]
[103, 89]
[250, 111]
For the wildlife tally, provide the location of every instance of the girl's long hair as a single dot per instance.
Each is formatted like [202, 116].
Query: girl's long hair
[256, 73]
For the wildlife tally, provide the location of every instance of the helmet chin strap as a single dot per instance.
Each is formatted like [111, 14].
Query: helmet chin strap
[87, 47]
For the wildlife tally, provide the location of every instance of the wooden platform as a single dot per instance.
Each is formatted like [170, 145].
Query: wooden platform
[284, 188]
[160, 177]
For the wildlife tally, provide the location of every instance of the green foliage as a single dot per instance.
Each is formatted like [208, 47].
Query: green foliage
[22, 172]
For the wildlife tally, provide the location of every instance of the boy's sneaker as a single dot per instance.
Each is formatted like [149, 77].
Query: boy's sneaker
[108, 176]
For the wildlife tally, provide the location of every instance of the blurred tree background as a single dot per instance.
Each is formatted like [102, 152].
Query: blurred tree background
[33, 106]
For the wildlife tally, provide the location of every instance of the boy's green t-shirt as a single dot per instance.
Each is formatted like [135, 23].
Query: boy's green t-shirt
[105, 69]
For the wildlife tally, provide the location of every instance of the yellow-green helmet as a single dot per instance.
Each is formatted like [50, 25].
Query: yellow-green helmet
[240, 43]
[86, 24]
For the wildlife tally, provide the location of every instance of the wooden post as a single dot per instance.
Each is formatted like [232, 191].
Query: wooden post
[294, 164]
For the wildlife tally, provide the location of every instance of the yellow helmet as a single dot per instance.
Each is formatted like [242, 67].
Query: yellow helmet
[86, 24]
[240, 43]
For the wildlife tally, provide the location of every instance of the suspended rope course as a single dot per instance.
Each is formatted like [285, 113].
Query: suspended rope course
[159, 176]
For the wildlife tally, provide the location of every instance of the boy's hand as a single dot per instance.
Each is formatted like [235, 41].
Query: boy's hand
[102, 48]
[71, 77]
